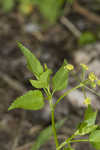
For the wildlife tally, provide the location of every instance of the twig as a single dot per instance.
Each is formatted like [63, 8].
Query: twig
[70, 26]
[83, 11]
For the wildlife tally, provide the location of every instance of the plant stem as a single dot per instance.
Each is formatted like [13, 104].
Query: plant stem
[91, 90]
[83, 88]
[53, 124]
[66, 93]
[81, 140]
[72, 141]
[62, 145]
[54, 129]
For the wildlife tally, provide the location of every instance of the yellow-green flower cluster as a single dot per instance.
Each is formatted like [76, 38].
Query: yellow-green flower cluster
[85, 67]
[92, 77]
[93, 80]
[69, 67]
[87, 101]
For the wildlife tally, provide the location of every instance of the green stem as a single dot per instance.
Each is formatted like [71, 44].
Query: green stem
[83, 88]
[66, 93]
[84, 93]
[72, 141]
[81, 140]
[53, 124]
[52, 115]
[45, 90]
[62, 145]
[91, 90]
[54, 129]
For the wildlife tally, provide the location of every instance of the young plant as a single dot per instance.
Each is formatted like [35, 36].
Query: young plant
[35, 100]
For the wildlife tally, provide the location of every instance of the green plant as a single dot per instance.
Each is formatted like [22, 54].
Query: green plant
[87, 38]
[34, 100]
[26, 7]
[7, 5]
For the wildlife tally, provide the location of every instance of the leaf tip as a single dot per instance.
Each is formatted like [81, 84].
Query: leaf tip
[10, 108]
[19, 44]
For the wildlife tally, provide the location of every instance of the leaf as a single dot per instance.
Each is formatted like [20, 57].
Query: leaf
[60, 79]
[38, 84]
[86, 38]
[45, 135]
[45, 76]
[43, 81]
[32, 100]
[70, 1]
[85, 129]
[90, 116]
[7, 5]
[94, 139]
[46, 6]
[25, 7]
[88, 125]
[32, 62]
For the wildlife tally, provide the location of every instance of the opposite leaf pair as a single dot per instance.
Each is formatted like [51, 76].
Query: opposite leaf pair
[34, 100]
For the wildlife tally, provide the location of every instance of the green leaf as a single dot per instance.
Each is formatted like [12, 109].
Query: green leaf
[33, 63]
[32, 100]
[60, 79]
[25, 7]
[38, 84]
[45, 76]
[94, 139]
[88, 125]
[85, 129]
[70, 1]
[46, 6]
[90, 116]
[45, 135]
[43, 81]
[86, 38]
[7, 5]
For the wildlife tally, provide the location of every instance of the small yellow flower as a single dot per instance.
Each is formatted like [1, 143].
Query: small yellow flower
[69, 67]
[92, 77]
[87, 101]
[85, 67]
[98, 82]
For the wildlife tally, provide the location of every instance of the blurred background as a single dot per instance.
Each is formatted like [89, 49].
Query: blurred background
[52, 30]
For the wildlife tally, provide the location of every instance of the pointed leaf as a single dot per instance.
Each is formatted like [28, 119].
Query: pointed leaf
[32, 100]
[43, 81]
[60, 79]
[85, 129]
[45, 135]
[45, 76]
[32, 62]
[88, 125]
[94, 139]
[47, 5]
[38, 84]
[90, 116]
